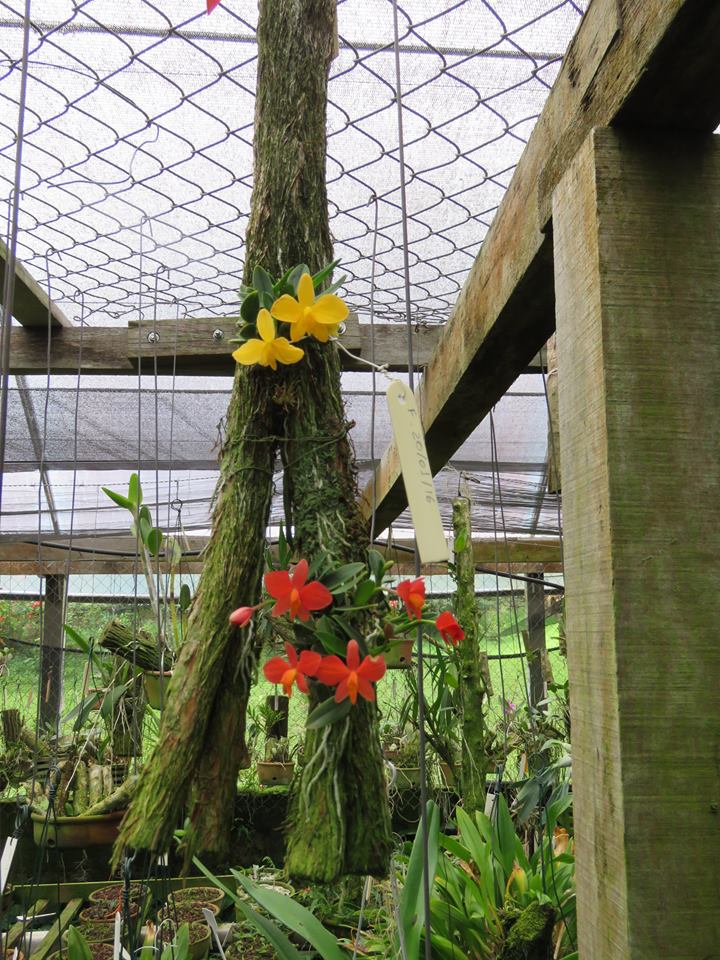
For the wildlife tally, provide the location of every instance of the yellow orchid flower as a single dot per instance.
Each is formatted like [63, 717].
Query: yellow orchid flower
[320, 318]
[269, 350]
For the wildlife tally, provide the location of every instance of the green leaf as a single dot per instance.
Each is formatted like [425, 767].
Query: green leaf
[461, 541]
[376, 562]
[145, 529]
[273, 934]
[135, 490]
[412, 902]
[185, 597]
[336, 285]
[78, 638]
[322, 275]
[295, 274]
[342, 579]
[445, 949]
[284, 551]
[249, 310]
[365, 592]
[119, 499]
[77, 945]
[328, 712]
[264, 286]
[294, 916]
[154, 541]
[180, 949]
[111, 699]
[328, 638]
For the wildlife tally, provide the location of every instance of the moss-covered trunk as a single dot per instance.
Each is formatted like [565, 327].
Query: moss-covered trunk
[230, 578]
[339, 815]
[201, 740]
[472, 685]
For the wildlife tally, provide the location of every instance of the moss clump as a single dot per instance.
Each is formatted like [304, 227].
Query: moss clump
[530, 937]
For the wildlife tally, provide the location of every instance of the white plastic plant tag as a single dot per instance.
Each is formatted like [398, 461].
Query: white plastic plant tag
[116, 939]
[212, 923]
[6, 861]
[163, 859]
[417, 476]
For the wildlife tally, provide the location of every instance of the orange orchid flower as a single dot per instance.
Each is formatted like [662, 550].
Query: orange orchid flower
[211, 4]
[352, 677]
[319, 317]
[270, 349]
[412, 594]
[294, 595]
[294, 670]
[450, 629]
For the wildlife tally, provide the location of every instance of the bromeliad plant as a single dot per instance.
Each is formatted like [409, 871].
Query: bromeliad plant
[338, 623]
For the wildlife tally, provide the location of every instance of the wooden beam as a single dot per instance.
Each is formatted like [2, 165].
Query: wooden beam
[637, 251]
[197, 347]
[505, 312]
[116, 555]
[30, 306]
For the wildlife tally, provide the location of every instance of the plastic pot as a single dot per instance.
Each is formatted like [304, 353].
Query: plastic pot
[66, 832]
[152, 684]
[400, 656]
[273, 774]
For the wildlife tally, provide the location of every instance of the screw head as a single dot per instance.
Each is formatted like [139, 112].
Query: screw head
[218, 334]
[153, 337]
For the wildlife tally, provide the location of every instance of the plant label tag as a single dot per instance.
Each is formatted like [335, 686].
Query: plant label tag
[116, 939]
[212, 923]
[417, 476]
[6, 861]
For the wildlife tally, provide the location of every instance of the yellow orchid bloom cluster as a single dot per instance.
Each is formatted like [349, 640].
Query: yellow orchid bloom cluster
[306, 315]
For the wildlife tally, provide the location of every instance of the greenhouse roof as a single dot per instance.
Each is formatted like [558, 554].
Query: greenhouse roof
[136, 179]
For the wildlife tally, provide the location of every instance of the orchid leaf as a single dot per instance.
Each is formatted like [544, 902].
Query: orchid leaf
[119, 499]
[295, 916]
[328, 712]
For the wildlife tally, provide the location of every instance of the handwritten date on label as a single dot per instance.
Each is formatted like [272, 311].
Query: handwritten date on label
[417, 476]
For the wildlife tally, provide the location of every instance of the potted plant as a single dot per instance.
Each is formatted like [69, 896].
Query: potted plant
[404, 754]
[188, 912]
[277, 768]
[87, 806]
[116, 892]
[198, 938]
[204, 895]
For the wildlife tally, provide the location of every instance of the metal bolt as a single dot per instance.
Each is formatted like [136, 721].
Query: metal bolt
[342, 327]
[153, 337]
[218, 334]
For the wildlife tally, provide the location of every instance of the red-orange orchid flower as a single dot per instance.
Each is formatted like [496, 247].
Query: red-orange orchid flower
[412, 594]
[450, 629]
[294, 595]
[211, 4]
[352, 677]
[294, 670]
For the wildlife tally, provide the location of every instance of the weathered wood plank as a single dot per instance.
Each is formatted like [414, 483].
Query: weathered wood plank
[81, 890]
[57, 929]
[17, 930]
[30, 304]
[25, 558]
[637, 250]
[534, 639]
[192, 347]
[505, 311]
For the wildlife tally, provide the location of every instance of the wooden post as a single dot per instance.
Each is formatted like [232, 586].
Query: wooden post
[534, 638]
[51, 654]
[637, 282]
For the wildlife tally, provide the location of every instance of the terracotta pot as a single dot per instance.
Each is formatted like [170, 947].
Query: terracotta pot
[65, 832]
[114, 891]
[202, 895]
[101, 912]
[275, 774]
[400, 656]
[151, 682]
[277, 886]
[188, 912]
[199, 948]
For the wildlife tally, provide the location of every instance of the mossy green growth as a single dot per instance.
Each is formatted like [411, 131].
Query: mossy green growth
[530, 937]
